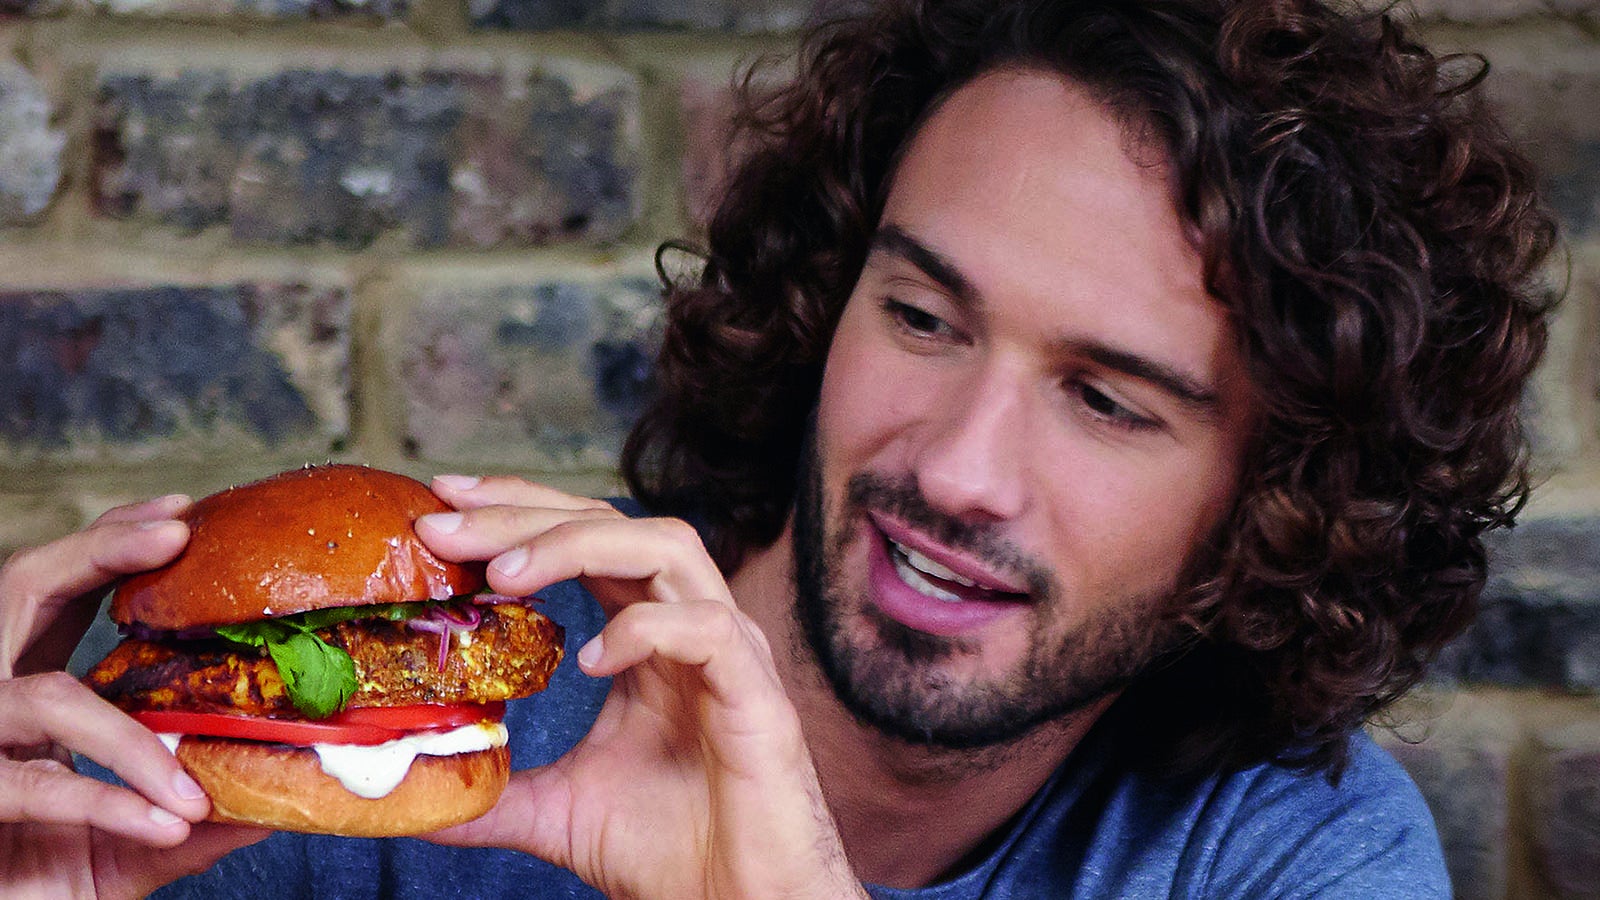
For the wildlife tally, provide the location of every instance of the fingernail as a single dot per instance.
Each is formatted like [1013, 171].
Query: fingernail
[153, 524]
[591, 652]
[458, 482]
[163, 818]
[511, 562]
[444, 523]
[186, 787]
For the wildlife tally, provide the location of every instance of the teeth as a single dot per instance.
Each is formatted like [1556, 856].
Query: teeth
[924, 564]
[919, 582]
[915, 570]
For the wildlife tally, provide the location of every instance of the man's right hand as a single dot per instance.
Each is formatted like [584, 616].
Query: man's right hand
[63, 834]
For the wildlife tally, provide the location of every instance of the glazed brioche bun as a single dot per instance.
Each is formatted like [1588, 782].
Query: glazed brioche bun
[284, 788]
[307, 539]
[310, 538]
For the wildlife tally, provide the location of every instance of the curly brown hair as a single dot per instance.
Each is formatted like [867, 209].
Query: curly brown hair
[1373, 232]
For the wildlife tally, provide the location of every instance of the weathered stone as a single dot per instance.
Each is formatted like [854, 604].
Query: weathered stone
[546, 376]
[380, 10]
[737, 16]
[30, 149]
[1540, 614]
[1565, 793]
[1462, 768]
[310, 157]
[138, 371]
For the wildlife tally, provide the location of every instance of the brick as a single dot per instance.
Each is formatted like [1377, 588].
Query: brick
[377, 10]
[1565, 793]
[29, 8]
[549, 375]
[729, 16]
[1462, 767]
[707, 108]
[1548, 89]
[135, 372]
[327, 157]
[1540, 614]
[30, 149]
[28, 520]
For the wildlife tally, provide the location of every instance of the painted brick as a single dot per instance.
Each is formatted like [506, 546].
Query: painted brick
[548, 375]
[326, 157]
[379, 10]
[131, 373]
[30, 149]
[1462, 768]
[735, 16]
[1565, 791]
[1540, 617]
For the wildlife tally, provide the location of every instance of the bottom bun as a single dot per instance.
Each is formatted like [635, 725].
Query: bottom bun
[284, 788]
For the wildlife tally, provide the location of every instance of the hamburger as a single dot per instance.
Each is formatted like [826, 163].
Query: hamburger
[316, 668]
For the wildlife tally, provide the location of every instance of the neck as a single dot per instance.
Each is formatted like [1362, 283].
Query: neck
[908, 815]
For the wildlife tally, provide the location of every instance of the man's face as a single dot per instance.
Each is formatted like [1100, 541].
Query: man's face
[1031, 419]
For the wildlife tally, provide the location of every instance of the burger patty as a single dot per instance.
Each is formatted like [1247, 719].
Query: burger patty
[510, 654]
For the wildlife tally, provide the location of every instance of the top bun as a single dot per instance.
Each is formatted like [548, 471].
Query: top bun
[321, 536]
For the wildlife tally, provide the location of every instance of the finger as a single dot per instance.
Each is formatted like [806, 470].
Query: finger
[487, 532]
[724, 645]
[56, 708]
[46, 792]
[472, 492]
[530, 816]
[36, 583]
[145, 871]
[167, 507]
[665, 555]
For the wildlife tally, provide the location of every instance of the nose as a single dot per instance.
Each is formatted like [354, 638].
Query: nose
[970, 463]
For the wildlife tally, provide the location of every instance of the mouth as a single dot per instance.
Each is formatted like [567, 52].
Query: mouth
[926, 576]
[936, 589]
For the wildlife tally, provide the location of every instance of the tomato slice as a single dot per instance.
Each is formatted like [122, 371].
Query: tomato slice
[422, 716]
[372, 725]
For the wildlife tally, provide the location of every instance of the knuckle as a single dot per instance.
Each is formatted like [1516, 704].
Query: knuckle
[43, 769]
[19, 568]
[49, 690]
[718, 622]
[676, 531]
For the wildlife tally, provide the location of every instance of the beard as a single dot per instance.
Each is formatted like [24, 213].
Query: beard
[889, 676]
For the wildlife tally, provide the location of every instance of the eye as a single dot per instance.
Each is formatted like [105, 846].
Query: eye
[916, 320]
[1103, 406]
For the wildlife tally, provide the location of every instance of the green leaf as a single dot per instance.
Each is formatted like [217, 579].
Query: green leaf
[320, 678]
[257, 634]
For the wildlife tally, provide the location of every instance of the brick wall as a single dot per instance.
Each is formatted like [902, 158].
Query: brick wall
[237, 235]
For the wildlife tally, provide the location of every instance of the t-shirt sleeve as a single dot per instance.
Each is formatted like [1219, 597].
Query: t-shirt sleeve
[1371, 835]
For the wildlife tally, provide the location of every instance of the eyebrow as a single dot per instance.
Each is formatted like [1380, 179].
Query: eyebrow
[895, 241]
[1192, 392]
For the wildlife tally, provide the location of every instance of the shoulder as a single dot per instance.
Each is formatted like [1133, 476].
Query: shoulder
[1266, 831]
[1368, 833]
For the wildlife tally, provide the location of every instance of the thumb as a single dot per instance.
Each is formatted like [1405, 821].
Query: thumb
[141, 871]
[533, 815]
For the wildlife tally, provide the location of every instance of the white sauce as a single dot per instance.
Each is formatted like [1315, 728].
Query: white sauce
[373, 771]
[171, 742]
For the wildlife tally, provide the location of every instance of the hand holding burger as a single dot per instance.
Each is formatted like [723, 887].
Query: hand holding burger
[317, 668]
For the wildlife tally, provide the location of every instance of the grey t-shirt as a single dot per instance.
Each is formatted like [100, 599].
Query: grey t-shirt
[1096, 830]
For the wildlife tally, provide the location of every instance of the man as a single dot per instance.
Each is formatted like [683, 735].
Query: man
[1091, 409]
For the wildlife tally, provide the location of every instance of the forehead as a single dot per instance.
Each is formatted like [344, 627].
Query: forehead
[1036, 192]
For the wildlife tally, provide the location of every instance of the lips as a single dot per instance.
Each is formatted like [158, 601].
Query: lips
[932, 588]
